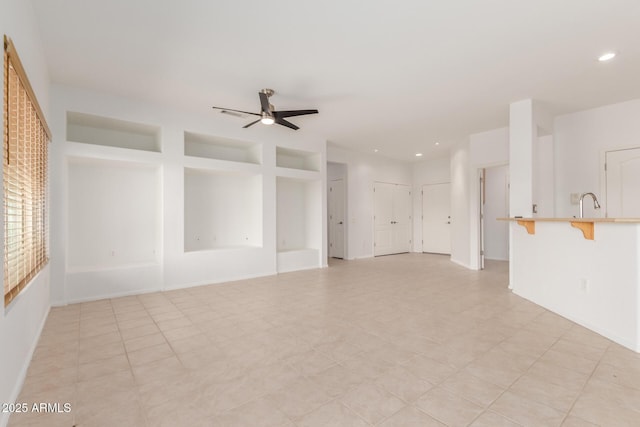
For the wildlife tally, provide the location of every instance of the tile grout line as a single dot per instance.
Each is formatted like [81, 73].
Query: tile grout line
[246, 305]
[518, 378]
[585, 384]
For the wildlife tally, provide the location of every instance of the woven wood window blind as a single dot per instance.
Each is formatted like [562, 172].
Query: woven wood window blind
[24, 178]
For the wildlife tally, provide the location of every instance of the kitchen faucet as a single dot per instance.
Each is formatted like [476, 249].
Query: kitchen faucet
[596, 205]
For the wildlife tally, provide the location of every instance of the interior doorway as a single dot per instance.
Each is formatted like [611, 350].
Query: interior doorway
[335, 203]
[337, 210]
[494, 203]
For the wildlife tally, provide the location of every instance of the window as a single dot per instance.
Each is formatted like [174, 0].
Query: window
[24, 178]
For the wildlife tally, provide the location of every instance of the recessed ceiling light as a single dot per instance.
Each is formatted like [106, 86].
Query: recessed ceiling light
[607, 56]
[375, 150]
[437, 143]
[418, 154]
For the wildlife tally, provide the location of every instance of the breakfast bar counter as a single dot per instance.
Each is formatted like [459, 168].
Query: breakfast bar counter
[584, 269]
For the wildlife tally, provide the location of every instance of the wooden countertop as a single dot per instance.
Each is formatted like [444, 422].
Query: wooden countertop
[586, 225]
[612, 220]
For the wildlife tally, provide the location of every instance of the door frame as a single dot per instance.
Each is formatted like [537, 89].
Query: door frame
[477, 261]
[483, 198]
[602, 194]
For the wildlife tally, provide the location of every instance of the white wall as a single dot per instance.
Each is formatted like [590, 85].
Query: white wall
[433, 171]
[544, 178]
[363, 170]
[490, 148]
[580, 141]
[176, 268]
[222, 210]
[336, 171]
[292, 215]
[124, 199]
[22, 321]
[522, 136]
[496, 233]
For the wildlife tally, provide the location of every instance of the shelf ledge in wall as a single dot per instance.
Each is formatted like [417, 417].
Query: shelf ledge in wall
[227, 166]
[225, 248]
[281, 251]
[299, 174]
[107, 153]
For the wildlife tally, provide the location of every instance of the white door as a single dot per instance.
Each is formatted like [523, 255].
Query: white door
[402, 219]
[436, 218]
[481, 210]
[383, 218]
[392, 218]
[623, 183]
[336, 218]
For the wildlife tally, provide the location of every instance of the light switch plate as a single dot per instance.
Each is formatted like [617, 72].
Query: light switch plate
[575, 198]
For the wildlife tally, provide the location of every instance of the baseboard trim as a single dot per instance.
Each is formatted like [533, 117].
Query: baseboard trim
[460, 263]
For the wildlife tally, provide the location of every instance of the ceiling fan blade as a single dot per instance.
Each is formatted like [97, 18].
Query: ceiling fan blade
[237, 111]
[250, 124]
[283, 122]
[264, 102]
[292, 113]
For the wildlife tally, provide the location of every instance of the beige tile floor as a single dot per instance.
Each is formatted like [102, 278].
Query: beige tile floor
[405, 340]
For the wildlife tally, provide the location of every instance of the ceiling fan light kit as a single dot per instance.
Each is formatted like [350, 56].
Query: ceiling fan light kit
[267, 119]
[268, 115]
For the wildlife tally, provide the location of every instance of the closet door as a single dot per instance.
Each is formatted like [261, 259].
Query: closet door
[392, 218]
[402, 219]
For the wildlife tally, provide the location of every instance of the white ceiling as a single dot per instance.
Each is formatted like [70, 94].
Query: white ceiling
[393, 75]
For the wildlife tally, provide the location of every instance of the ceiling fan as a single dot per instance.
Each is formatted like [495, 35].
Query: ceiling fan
[268, 115]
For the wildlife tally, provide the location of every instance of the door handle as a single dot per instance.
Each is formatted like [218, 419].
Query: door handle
[340, 223]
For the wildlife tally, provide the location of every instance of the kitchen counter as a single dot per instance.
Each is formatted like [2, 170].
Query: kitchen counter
[591, 278]
[614, 220]
[585, 224]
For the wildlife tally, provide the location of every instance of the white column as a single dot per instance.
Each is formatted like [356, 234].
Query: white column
[526, 120]
[522, 134]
